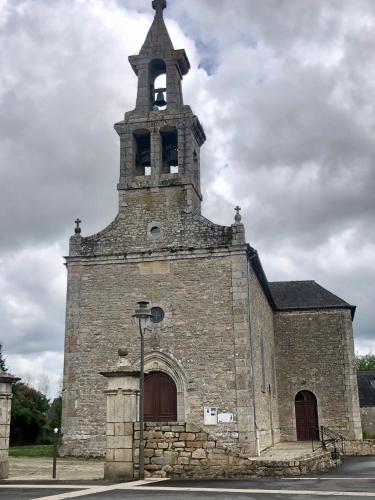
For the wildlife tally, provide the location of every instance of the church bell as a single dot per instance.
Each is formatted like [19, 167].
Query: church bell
[160, 100]
[172, 157]
[145, 158]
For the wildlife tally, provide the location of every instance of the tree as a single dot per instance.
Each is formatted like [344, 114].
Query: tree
[54, 414]
[2, 360]
[366, 362]
[29, 415]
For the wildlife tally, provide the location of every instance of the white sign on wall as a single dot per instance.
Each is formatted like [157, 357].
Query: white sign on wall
[210, 416]
[225, 418]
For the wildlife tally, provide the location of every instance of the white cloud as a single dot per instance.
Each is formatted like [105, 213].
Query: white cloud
[289, 113]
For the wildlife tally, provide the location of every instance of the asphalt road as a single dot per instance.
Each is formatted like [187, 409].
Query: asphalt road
[355, 479]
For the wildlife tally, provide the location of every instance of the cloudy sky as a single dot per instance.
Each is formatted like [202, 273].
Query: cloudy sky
[286, 92]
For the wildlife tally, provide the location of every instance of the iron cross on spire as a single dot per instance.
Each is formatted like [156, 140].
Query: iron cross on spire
[159, 6]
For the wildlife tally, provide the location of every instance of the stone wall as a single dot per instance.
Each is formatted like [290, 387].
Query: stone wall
[6, 381]
[262, 330]
[202, 342]
[5, 407]
[183, 451]
[314, 351]
[360, 448]
[368, 419]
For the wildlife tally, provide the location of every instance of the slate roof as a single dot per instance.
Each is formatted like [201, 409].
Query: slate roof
[295, 295]
[365, 389]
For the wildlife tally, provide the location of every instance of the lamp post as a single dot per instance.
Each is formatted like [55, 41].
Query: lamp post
[142, 315]
[55, 443]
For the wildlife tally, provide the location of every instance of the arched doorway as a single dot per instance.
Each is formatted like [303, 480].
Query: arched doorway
[306, 416]
[160, 398]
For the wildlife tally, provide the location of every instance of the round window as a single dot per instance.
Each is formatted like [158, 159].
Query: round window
[157, 314]
[155, 231]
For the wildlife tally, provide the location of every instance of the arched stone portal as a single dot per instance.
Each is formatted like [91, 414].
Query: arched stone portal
[307, 424]
[157, 361]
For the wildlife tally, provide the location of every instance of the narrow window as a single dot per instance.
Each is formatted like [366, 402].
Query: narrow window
[169, 140]
[142, 145]
[263, 365]
[273, 374]
[195, 161]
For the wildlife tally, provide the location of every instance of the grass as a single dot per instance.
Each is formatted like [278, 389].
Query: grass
[368, 435]
[31, 451]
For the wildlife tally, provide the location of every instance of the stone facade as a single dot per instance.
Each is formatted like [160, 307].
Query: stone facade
[224, 340]
[263, 345]
[315, 352]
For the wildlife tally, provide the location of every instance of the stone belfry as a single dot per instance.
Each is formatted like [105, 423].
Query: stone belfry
[161, 137]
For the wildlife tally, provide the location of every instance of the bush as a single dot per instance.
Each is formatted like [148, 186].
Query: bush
[368, 435]
[365, 363]
[29, 416]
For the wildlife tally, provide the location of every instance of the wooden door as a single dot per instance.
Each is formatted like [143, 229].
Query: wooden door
[160, 398]
[306, 416]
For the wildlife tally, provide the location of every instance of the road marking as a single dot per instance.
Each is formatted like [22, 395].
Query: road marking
[47, 486]
[140, 486]
[325, 478]
[258, 491]
[91, 490]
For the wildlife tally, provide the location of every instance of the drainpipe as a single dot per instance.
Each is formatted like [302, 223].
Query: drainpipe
[252, 361]
[271, 415]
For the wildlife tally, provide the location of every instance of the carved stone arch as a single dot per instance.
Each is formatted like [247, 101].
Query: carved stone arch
[159, 361]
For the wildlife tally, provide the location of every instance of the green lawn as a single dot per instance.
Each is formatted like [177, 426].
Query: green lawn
[31, 451]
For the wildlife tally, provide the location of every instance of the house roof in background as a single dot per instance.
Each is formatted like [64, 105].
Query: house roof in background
[366, 388]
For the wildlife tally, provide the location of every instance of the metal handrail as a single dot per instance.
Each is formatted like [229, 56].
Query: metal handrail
[334, 438]
[328, 436]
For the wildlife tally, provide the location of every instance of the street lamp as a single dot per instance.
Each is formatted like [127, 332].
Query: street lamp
[142, 315]
[55, 443]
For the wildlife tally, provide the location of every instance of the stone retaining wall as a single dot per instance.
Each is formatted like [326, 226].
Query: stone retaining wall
[360, 448]
[368, 419]
[183, 451]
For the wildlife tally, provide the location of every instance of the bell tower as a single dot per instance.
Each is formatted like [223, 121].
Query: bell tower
[161, 138]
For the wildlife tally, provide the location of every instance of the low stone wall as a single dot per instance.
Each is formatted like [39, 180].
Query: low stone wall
[360, 448]
[184, 451]
[368, 419]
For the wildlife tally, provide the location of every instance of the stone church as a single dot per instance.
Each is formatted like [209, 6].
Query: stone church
[250, 361]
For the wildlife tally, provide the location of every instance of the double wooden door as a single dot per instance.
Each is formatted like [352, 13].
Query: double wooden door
[160, 398]
[306, 416]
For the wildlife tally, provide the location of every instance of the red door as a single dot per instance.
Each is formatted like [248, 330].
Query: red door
[160, 398]
[306, 416]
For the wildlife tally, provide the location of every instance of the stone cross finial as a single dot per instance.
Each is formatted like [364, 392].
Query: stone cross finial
[159, 6]
[77, 230]
[237, 217]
